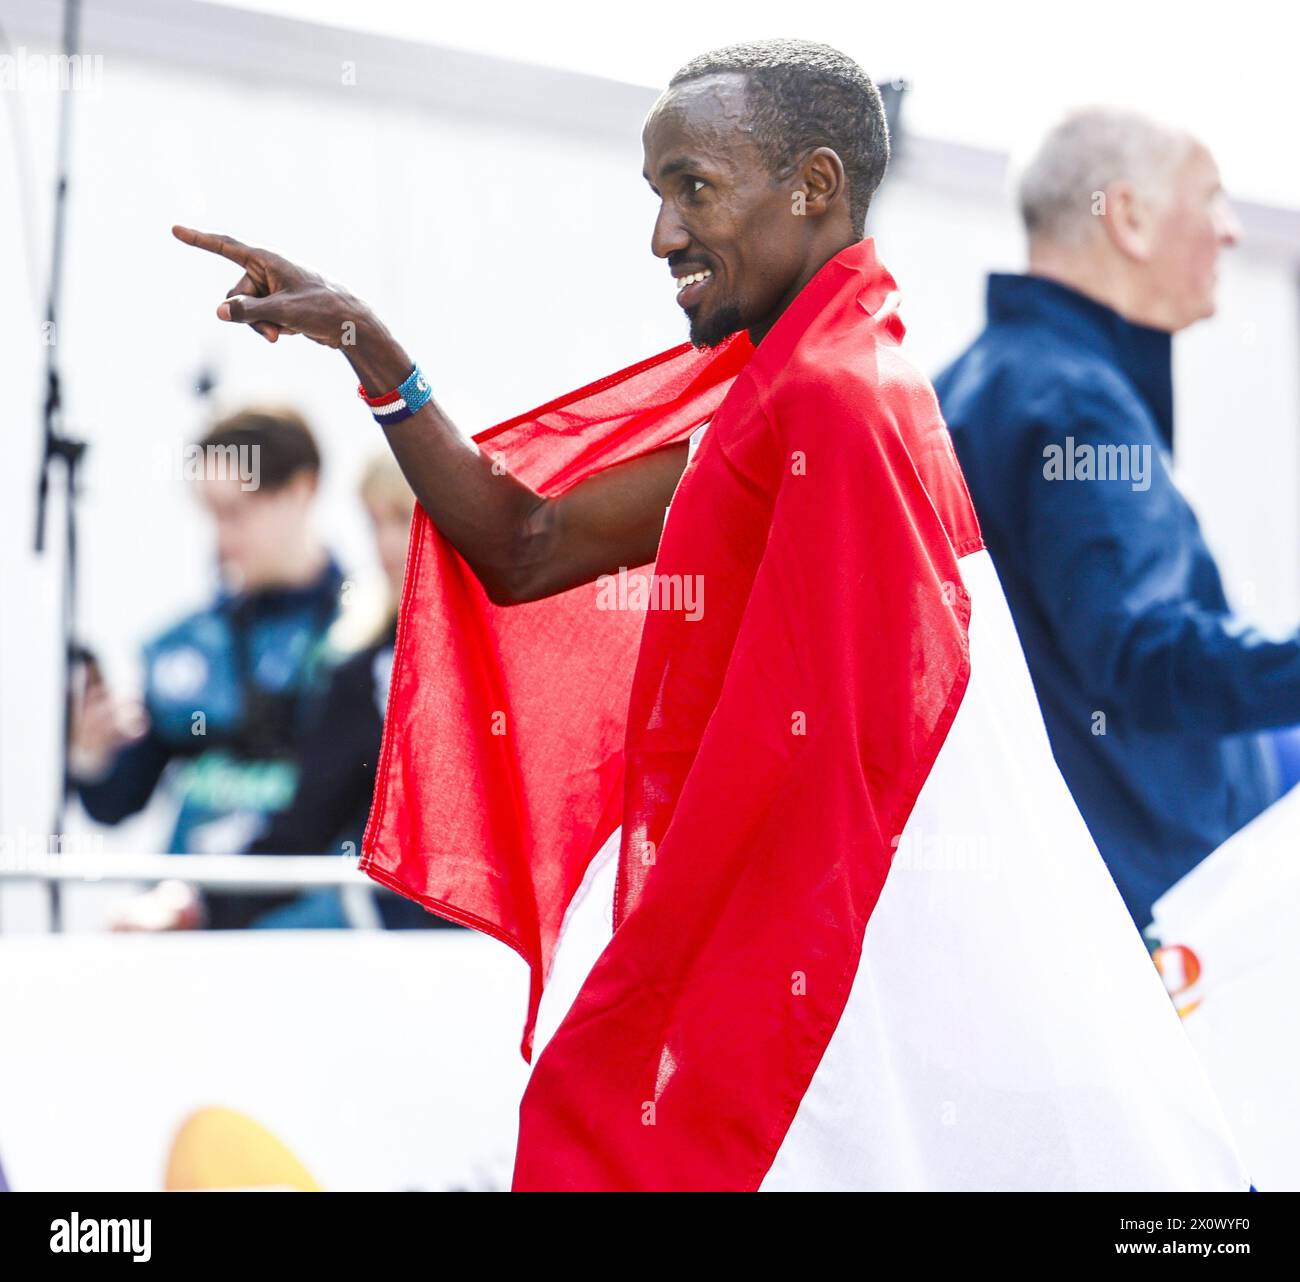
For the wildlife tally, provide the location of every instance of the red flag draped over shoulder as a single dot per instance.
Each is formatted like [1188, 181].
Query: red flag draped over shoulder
[501, 770]
[762, 760]
[777, 741]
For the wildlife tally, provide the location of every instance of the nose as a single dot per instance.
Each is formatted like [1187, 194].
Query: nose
[669, 235]
[227, 536]
[1230, 229]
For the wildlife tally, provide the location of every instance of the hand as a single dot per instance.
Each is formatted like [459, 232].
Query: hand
[277, 297]
[170, 905]
[101, 727]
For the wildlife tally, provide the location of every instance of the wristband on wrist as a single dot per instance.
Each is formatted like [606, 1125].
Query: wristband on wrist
[403, 401]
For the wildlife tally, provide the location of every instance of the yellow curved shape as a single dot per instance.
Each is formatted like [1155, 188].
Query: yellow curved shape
[218, 1148]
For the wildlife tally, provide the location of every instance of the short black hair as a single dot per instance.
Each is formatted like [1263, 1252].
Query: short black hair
[802, 95]
[284, 443]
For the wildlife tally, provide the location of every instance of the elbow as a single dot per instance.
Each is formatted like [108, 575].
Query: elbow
[520, 572]
[514, 586]
[1166, 682]
[503, 589]
[499, 595]
[102, 809]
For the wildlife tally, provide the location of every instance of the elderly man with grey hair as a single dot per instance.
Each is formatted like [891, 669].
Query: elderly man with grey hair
[1153, 693]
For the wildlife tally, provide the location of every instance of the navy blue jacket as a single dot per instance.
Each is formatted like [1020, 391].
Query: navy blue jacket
[1153, 693]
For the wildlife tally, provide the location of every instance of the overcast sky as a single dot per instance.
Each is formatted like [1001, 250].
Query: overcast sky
[991, 73]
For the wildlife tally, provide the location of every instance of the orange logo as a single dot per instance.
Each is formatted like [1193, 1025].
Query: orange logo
[1180, 968]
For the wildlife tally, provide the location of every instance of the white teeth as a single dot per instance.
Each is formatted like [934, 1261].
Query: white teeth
[683, 281]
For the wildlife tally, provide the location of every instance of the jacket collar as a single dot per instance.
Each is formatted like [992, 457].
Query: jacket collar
[1144, 355]
[322, 592]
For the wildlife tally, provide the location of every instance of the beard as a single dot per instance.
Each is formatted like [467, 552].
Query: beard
[717, 327]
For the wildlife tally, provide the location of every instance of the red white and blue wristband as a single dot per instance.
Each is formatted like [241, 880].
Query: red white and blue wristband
[411, 397]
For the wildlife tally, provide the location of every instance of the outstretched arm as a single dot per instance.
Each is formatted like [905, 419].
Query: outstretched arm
[521, 545]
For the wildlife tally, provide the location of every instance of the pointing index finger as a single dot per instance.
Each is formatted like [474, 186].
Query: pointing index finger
[226, 246]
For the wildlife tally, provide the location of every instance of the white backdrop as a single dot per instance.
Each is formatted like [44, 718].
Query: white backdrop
[496, 218]
[381, 1061]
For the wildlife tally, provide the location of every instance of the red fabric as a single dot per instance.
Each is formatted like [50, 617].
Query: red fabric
[501, 770]
[825, 513]
[774, 748]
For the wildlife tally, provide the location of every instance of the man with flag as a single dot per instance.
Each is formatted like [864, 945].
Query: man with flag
[805, 900]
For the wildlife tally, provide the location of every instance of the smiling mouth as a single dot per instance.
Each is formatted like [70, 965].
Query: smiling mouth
[689, 287]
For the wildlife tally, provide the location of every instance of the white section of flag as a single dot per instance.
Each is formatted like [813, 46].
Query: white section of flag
[1006, 1028]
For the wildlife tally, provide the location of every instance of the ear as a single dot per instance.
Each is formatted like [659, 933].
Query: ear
[1126, 219]
[820, 183]
[304, 485]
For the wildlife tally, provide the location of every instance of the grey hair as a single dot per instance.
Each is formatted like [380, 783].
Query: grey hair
[1060, 187]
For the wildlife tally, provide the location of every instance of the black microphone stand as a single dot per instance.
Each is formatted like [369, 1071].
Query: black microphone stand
[62, 448]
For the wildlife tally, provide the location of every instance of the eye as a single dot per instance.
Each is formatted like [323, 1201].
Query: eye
[694, 186]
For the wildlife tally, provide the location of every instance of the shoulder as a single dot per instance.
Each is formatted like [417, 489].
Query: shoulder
[865, 408]
[852, 396]
[1025, 379]
[359, 682]
[204, 625]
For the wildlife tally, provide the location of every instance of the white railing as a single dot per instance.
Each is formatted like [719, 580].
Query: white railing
[230, 873]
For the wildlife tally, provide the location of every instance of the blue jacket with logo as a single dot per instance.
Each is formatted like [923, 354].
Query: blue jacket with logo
[225, 690]
[1152, 691]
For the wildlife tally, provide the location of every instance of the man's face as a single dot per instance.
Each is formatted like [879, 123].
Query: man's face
[721, 212]
[1192, 228]
[259, 533]
[390, 520]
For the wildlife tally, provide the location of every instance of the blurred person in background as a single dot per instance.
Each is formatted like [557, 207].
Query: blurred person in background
[341, 738]
[1153, 691]
[225, 687]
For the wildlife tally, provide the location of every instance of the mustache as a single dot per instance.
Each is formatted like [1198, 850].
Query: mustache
[683, 259]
